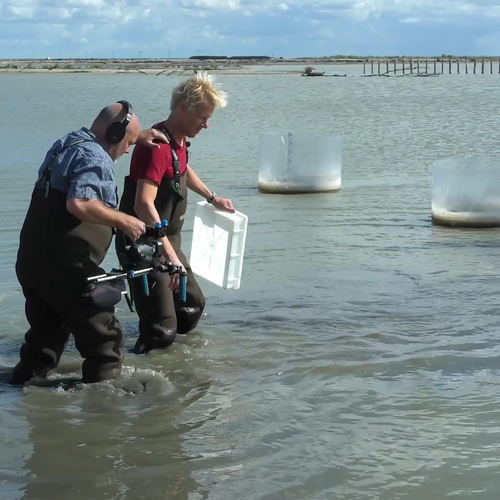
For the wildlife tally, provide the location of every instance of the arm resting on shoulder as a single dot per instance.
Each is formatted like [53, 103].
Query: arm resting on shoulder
[149, 136]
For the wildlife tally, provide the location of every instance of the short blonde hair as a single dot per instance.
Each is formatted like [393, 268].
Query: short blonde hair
[197, 88]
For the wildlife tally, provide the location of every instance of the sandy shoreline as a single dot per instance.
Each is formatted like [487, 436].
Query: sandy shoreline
[164, 67]
[239, 66]
[154, 72]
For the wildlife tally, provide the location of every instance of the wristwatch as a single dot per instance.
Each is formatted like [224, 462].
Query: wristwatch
[212, 197]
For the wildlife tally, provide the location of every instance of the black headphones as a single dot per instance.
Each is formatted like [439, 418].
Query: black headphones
[117, 130]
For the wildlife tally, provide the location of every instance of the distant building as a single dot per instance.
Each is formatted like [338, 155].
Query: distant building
[242, 58]
[231, 58]
[204, 58]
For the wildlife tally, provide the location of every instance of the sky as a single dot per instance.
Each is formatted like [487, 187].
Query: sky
[278, 28]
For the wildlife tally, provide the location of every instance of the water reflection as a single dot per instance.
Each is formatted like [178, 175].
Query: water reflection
[122, 440]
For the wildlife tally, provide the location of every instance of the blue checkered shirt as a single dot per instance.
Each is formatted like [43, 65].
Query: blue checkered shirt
[84, 170]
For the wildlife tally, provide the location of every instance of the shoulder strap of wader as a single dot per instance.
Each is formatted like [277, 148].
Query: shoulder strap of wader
[176, 164]
[47, 171]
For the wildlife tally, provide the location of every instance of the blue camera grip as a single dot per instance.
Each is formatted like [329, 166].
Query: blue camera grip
[145, 286]
[182, 288]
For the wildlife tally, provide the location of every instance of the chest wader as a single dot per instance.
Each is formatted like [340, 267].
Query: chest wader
[161, 315]
[56, 253]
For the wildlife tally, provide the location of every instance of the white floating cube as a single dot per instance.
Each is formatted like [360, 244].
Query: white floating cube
[300, 162]
[466, 192]
[218, 245]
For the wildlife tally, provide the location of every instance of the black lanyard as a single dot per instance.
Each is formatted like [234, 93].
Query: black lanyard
[175, 159]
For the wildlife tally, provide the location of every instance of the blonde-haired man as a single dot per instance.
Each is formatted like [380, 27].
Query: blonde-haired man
[156, 190]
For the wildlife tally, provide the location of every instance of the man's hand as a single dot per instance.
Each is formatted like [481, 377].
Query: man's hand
[171, 257]
[146, 138]
[175, 278]
[132, 227]
[223, 204]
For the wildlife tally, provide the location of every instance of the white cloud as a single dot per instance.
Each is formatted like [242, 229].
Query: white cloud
[55, 11]
[87, 3]
[210, 32]
[228, 26]
[410, 20]
[210, 4]
[327, 33]
[21, 12]
[250, 42]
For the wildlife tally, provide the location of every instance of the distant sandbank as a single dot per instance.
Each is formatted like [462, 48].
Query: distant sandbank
[146, 71]
[236, 66]
[164, 67]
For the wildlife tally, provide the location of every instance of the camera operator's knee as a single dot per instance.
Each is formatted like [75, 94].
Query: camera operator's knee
[102, 296]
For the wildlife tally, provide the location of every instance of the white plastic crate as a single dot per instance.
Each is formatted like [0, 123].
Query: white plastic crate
[218, 245]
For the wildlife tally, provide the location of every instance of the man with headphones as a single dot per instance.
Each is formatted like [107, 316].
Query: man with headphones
[65, 237]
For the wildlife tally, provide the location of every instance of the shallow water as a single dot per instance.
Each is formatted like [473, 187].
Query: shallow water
[359, 359]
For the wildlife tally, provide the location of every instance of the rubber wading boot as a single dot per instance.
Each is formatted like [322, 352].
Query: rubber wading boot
[155, 338]
[24, 371]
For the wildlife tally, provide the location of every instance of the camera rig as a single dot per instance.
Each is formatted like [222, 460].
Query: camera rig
[140, 258]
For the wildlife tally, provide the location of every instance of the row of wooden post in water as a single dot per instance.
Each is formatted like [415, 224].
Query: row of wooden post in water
[432, 66]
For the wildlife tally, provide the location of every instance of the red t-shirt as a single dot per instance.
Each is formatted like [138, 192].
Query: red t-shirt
[155, 164]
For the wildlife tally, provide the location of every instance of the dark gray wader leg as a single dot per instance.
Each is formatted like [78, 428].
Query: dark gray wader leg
[99, 339]
[44, 341]
[157, 321]
[188, 313]
[52, 315]
[161, 315]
